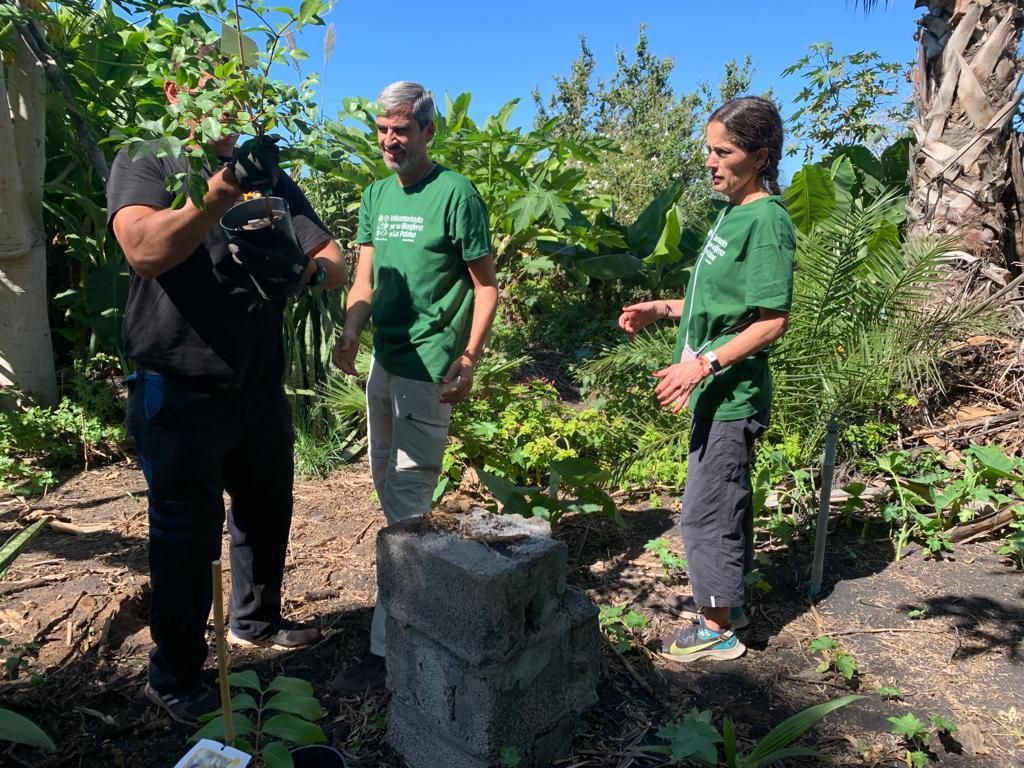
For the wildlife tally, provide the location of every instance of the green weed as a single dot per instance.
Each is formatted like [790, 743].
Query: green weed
[671, 563]
[622, 628]
[916, 734]
[834, 656]
[694, 738]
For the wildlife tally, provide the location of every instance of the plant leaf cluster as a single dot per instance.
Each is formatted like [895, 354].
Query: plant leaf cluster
[695, 738]
[266, 720]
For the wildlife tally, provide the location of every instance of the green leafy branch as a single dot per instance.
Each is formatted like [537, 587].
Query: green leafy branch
[265, 720]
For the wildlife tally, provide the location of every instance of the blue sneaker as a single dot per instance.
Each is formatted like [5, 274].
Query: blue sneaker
[697, 641]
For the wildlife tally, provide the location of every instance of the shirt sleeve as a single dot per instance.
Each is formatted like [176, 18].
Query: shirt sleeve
[770, 269]
[139, 181]
[364, 234]
[468, 227]
[309, 229]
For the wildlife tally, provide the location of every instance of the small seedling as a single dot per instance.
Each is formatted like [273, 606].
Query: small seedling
[671, 563]
[508, 757]
[889, 693]
[943, 725]
[834, 656]
[916, 735]
[756, 582]
[621, 627]
[917, 613]
[17, 660]
[1013, 548]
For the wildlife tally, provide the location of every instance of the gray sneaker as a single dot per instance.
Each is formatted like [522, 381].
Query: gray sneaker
[186, 706]
[285, 637]
[686, 608]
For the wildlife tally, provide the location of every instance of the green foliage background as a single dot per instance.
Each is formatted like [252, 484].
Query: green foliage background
[602, 202]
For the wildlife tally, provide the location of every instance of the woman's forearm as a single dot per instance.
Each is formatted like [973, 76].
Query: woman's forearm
[766, 330]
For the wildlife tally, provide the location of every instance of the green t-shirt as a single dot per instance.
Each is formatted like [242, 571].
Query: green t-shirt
[746, 263]
[422, 237]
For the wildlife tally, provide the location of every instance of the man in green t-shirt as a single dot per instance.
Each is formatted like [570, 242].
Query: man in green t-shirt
[426, 278]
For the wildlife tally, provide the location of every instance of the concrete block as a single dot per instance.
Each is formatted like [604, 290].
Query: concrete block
[487, 647]
[583, 641]
[425, 747]
[482, 708]
[481, 589]
[502, 703]
[551, 745]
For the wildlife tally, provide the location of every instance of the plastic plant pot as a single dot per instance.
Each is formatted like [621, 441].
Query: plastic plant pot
[248, 221]
[318, 756]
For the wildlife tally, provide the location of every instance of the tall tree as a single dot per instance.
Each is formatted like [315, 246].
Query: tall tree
[659, 132]
[966, 174]
[26, 353]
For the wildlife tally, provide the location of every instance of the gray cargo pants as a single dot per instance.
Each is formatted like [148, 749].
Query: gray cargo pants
[718, 512]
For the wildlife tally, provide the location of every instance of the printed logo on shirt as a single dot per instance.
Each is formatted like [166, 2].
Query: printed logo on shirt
[397, 227]
[715, 247]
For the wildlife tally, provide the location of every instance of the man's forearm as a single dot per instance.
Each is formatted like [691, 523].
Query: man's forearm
[357, 309]
[160, 241]
[330, 258]
[485, 306]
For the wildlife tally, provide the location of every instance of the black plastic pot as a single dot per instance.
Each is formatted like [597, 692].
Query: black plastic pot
[318, 756]
[243, 221]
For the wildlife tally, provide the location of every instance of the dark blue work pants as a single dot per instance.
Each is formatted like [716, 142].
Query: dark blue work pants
[194, 444]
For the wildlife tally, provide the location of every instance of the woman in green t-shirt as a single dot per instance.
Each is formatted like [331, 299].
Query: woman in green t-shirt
[736, 305]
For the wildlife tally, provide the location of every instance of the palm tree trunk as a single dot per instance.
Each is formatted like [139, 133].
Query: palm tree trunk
[26, 354]
[966, 88]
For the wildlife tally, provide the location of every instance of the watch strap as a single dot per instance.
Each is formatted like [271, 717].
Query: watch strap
[318, 276]
[712, 358]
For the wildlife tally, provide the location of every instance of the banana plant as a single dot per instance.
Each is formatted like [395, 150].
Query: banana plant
[656, 251]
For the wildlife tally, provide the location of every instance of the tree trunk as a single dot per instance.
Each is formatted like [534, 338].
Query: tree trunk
[26, 354]
[966, 79]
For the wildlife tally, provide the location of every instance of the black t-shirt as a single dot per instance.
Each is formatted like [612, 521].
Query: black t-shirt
[203, 320]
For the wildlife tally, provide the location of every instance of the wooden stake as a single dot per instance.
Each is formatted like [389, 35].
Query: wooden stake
[222, 654]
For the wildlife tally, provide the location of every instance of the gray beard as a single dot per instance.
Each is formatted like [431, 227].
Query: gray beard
[408, 164]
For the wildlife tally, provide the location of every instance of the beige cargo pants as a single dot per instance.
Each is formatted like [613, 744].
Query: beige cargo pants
[407, 431]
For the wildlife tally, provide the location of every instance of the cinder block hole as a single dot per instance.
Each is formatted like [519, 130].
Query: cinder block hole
[532, 615]
[450, 700]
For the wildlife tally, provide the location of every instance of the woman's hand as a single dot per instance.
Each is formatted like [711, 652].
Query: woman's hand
[677, 382]
[636, 317]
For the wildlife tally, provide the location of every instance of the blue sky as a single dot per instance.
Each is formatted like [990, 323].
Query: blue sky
[499, 51]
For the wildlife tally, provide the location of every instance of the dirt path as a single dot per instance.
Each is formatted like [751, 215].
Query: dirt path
[75, 601]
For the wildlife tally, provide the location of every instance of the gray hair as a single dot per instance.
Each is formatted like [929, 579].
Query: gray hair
[406, 96]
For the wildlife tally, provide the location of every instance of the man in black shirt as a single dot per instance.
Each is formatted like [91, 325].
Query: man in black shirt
[207, 406]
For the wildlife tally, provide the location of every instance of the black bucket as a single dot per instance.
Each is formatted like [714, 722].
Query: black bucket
[248, 221]
[318, 756]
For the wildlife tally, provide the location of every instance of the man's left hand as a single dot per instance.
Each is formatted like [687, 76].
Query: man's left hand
[458, 382]
[255, 164]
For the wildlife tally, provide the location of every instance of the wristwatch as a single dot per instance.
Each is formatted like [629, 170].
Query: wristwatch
[712, 358]
[318, 277]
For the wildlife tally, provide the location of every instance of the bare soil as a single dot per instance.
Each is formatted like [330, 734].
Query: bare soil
[76, 602]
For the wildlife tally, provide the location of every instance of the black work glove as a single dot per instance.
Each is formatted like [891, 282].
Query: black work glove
[276, 270]
[255, 164]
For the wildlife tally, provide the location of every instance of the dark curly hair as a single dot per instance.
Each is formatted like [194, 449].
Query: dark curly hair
[754, 123]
